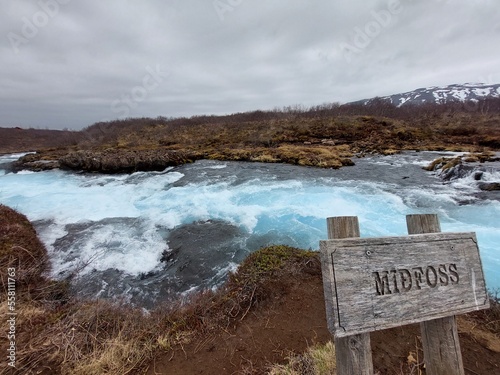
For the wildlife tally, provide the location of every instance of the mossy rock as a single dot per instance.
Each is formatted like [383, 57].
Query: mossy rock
[443, 163]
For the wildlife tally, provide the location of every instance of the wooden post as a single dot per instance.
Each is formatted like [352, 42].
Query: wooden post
[440, 336]
[353, 353]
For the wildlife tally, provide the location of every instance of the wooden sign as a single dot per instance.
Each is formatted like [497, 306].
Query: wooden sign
[379, 283]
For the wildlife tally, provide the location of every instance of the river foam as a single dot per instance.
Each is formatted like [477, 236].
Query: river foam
[115, 229]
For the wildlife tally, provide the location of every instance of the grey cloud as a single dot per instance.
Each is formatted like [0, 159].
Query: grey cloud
[262, 54]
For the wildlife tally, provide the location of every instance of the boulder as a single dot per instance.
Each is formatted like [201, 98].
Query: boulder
[489, 186]
[458, 171]
[34, 162]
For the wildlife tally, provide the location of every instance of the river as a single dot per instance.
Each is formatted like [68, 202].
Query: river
[148, 237]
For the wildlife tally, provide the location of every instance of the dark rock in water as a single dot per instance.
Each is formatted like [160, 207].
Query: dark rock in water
[457, 172]
[42, 165]
[197, 249]
[268, 239]
[8, 167]
[347, 162]
[478, 175]
[35, 163]
[489, 186]
[122, 161]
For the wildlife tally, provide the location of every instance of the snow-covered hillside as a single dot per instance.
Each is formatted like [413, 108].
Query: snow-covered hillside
[444, 94]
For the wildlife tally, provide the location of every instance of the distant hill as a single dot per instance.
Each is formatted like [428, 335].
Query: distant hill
[20, 140]
[441, 95]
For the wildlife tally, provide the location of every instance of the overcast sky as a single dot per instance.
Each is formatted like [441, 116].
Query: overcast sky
[71, 63]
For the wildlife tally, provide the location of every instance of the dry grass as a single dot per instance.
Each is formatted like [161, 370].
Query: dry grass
[55, 332]
[489, 319]
[317, 360]
[376, 127]
[80, 338]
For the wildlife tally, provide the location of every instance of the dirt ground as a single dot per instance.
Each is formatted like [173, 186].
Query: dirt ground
[297, 320]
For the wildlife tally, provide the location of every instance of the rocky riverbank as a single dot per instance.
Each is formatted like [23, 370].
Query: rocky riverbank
[128, 161]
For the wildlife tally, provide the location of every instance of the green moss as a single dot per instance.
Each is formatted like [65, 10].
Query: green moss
[268, 260]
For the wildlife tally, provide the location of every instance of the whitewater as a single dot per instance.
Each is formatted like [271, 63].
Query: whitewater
[148, 237]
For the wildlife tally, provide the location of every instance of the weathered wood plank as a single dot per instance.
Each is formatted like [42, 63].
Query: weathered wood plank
[353, 353]
[379, 283]
[423, 223]
[343, 227]
[441, 346]
[439, 336]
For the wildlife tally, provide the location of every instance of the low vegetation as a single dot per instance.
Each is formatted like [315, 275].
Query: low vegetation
[16, 139]
[378, 126]
[326, 136]
[323, 138]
